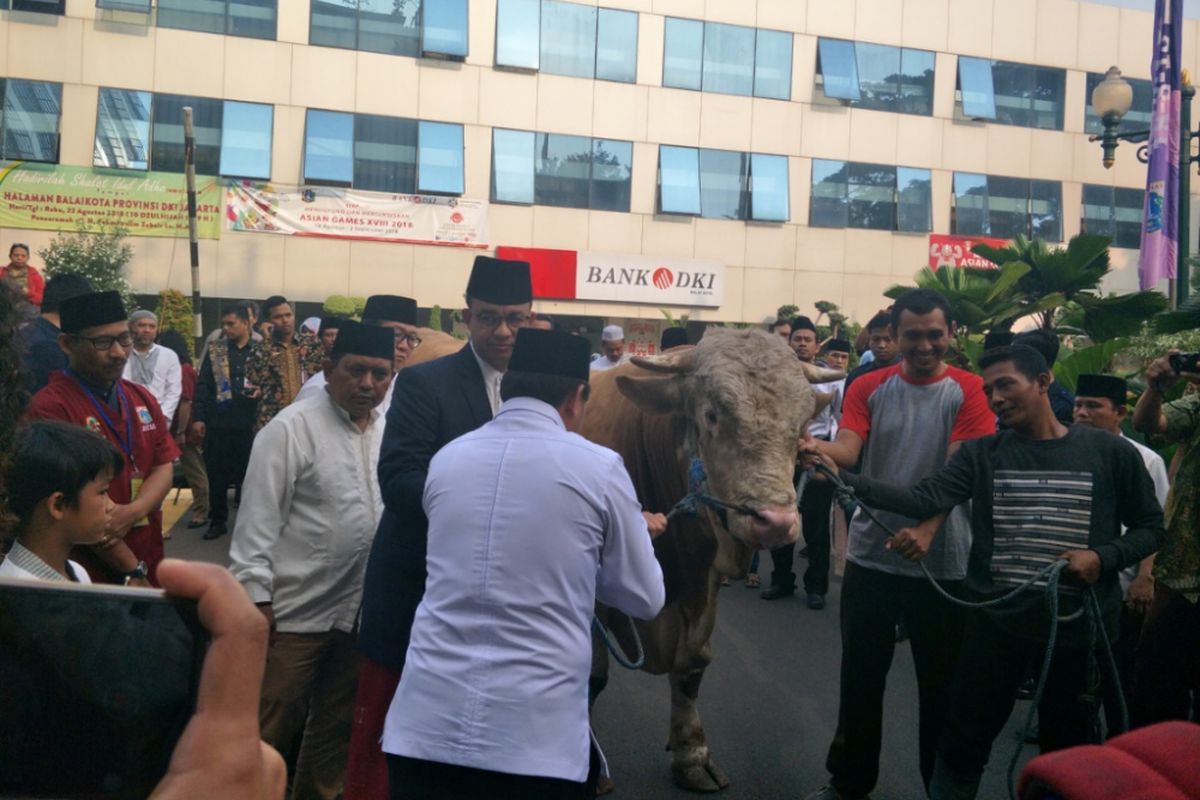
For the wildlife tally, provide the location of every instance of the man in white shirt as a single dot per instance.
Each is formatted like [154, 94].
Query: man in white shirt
[1101, 401]
[529, 525]
[153, 366]
[612, 341]
[385, 311]
[310, 508]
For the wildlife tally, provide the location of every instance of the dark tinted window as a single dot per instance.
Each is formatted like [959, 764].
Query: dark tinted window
[253, 18]
[29, 121]
[730, 59]
[1114, 212]
[557, 170]
[1002, 207]
[1012, 94]
[122, 130]
[167, 151]
[877, 76]
[848, 194]
[444, 28]
[1138, 116]
[721, 184]
[377, 26]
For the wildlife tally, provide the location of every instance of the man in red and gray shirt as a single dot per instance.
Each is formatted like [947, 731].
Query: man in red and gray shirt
[905, 421]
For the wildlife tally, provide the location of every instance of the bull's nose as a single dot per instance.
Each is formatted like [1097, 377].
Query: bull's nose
[776, 527]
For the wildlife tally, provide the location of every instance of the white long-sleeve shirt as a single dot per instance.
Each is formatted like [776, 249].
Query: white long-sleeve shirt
[310, 507]
[529, 525]
[1157, 469]
[161, 365]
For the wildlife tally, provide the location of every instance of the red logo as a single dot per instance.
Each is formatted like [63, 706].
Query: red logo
[663, 278]
[456, 218]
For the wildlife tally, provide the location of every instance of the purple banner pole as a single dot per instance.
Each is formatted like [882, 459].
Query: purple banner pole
[1160, 225]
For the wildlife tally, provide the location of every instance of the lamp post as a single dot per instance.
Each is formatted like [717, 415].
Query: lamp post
[1111, 100]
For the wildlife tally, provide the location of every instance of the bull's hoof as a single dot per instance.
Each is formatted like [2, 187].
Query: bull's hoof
[707, 777]
[604, 785]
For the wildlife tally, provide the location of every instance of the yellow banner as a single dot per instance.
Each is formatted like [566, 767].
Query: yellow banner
[53, 197]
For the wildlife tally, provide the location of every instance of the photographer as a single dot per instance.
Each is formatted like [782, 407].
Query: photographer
[1167, 665]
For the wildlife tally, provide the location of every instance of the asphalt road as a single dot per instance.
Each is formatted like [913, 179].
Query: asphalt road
[769, 703]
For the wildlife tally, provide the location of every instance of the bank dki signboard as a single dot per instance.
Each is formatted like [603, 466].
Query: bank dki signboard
[609, 277]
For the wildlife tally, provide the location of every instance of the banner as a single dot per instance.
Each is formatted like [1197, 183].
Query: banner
[54, 197]
[350, 214]
[608, 277]
[1160, 235]
[955, 251]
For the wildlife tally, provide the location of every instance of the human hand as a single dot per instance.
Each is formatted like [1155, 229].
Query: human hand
[122, 518]
[220, 753]
[1161, 376]
[139, 583]
[656, 523]
[913, 543]
[268, 612]
[1141, 594]
[1082, 564]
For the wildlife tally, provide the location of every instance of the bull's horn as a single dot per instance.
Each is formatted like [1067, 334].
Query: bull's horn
[673, 362]
[816, 374]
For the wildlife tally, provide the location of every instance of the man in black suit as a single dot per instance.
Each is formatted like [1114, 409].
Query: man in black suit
[432, 404]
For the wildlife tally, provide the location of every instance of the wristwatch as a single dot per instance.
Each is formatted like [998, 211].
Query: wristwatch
[137, 572]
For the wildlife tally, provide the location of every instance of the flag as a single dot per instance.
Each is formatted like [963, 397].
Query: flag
[1160, 219]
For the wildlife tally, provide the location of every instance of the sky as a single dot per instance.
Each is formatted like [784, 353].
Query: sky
[1191, 8]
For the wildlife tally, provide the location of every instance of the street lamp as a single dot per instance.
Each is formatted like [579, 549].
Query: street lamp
[1111, 101]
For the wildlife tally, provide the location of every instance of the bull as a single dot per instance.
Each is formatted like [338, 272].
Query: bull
[737, 403]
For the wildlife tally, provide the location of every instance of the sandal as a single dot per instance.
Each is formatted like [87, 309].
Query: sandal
[753, 581]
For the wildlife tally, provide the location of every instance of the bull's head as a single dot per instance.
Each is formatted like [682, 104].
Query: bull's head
[747, 398]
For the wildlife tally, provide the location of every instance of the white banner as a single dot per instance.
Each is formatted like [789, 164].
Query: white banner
[649, 280]
[350, 214]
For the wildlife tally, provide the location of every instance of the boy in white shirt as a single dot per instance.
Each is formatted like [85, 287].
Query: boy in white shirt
[58, 491]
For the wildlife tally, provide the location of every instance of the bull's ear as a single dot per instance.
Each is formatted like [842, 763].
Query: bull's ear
[823, 399]
[653, 395]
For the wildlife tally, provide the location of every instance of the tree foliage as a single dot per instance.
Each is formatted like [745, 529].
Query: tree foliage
[175, 313]
[340, 305]
[100, 257]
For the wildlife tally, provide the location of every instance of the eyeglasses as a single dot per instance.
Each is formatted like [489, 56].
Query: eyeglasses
[413, 340]
[104, 343]
[490, 319]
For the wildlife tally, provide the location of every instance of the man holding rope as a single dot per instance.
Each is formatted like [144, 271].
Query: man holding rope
[1040, 492]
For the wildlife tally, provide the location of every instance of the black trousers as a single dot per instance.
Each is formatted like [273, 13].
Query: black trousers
[414, 779]
[226, 454]
[1167, 661]
[991, 667]
[814, 520]
[871, 603]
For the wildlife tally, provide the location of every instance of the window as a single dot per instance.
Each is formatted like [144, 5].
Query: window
[377, 26]
[246, 140]
[877, 76]
[722, 184]
[29, 118]
[1138, 117]
[142, 6]
[990, 205]
[383, 154]
[1114, 212]
[140, 130]
[166, 141]
[557, 170]
[567, 39]
[253, 18]
[847, 194]
[123, 130]
[36, 6]
[1012, 94]
[730, 59]
[444, 28]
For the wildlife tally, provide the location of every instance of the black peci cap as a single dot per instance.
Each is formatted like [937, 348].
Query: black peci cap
[551, 353]
[1110, 386]
[89, 310]
[390, 308]
[837, 346]
[803, 324]
[357, 339]
[673, 337]
[331, 323]
[496, 280]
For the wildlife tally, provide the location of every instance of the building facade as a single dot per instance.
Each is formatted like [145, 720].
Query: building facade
[805, 150]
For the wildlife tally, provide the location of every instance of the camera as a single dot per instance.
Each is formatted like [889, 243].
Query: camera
[1185, 362]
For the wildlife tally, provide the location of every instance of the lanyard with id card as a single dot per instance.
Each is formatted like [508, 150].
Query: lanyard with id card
[126, 444]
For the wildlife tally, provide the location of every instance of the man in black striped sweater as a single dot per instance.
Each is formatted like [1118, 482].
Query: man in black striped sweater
[1040, 491]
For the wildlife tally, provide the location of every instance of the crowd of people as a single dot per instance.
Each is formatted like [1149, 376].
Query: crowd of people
[427, 638]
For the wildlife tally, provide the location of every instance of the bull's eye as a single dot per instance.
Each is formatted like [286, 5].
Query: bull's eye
[710, 417]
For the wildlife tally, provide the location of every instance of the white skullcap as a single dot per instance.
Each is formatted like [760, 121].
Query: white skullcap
[142, 314]
[612, 333]
[312, 325]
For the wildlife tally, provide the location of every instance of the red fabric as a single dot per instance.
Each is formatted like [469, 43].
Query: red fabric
[1161, 762]
[552, 272]
[64, 399]
[366, 769]
[35, 284]
[973, 420]
[188, 390]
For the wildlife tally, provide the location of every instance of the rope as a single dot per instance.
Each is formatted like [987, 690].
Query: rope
[688, 505]
[1052, 573]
